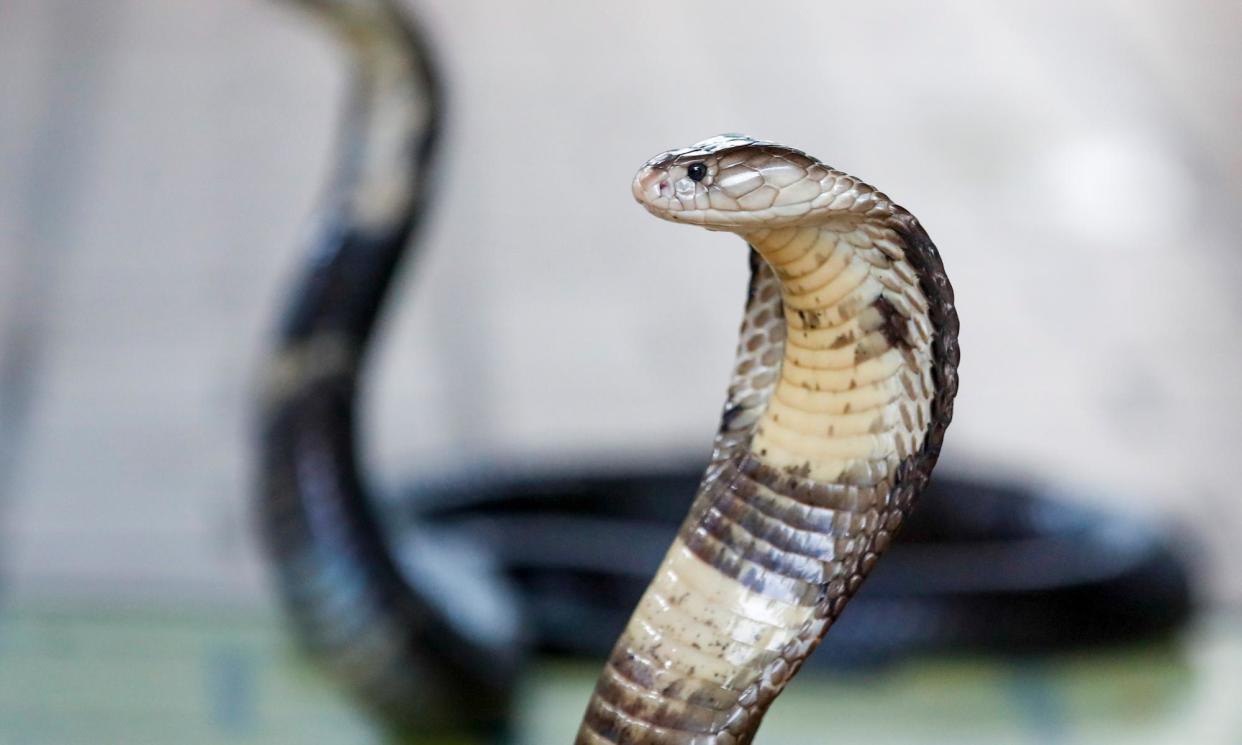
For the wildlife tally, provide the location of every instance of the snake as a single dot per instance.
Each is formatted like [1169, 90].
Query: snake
[843, 387]
[840, 396]
[420, 657]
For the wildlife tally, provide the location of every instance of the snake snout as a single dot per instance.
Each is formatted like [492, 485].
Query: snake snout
[652, 185]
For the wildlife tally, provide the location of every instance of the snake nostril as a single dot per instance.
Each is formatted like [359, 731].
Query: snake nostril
[663, 187]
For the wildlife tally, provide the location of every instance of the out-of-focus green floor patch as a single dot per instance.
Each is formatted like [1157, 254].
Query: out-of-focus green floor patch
[133, 678]
[69, 678]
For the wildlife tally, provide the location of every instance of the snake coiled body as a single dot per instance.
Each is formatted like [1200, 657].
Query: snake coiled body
[843, 387]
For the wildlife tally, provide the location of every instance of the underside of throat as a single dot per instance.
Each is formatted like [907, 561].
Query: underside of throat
[851, 402]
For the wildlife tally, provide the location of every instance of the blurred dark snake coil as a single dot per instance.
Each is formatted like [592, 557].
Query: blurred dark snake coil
[843, 387]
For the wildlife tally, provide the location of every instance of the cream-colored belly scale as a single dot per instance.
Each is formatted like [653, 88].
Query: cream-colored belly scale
[852, 401]
[831, 394]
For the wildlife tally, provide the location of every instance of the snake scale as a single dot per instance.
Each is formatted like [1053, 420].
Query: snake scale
[842, 390]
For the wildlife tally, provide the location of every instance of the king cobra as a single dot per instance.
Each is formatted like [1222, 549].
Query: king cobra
[843, 387]
[841, 393]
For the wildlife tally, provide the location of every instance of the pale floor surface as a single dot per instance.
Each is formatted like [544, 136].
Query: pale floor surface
[1079, 164]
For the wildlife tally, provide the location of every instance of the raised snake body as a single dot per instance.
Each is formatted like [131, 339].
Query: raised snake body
[843, 387]
[418, 657]
[842, 390]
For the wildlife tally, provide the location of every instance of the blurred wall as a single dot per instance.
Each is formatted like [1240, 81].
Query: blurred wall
[1078, 163]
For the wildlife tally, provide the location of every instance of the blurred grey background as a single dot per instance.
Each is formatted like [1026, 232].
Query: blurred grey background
[1078, 163]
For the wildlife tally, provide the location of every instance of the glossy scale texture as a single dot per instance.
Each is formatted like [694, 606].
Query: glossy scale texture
[842, 390]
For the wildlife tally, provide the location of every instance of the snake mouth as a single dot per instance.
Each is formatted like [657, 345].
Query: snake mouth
[651, 185]
[655, 189]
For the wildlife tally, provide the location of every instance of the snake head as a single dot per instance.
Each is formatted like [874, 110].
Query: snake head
[739, 184]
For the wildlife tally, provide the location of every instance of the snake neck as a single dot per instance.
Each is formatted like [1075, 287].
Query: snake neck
[852, 398]
[829, 399]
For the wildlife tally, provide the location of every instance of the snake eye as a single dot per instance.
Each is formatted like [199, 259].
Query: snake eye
[696, 171]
